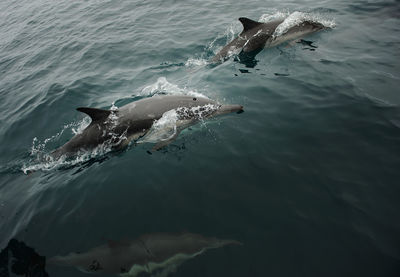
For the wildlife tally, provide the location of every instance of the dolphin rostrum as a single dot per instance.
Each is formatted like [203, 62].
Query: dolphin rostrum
[257, 35]
[157, 253]
[116, 128]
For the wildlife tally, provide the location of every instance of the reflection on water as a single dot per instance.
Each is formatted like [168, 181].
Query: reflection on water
[312, 165]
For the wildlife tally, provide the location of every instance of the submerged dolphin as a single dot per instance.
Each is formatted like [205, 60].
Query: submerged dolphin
[117, 128]
[158, 253]
[257, 35]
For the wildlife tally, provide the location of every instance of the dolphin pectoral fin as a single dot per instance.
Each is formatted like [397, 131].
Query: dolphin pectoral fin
[164, 143]
[307, 43]
[248, 24]
[95, 114]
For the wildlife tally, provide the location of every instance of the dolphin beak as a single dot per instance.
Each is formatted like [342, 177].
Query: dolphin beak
[224, 109]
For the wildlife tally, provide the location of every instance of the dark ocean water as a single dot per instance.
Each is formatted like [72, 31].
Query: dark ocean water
[307, 178]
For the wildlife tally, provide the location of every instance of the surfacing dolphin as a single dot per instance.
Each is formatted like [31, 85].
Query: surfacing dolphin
[158, 253]
[257, 35]
[116, 128]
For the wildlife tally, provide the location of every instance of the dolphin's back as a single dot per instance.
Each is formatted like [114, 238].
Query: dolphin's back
[154, 107]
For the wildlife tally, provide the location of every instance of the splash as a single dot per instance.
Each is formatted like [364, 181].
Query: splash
[277, 15]
[222, 39]
[163, 129]
[48, 163]
[168, 126]
[296, 18]
[196, 113]
[162, 86]
[39, 147]
[40, 158]
[191, 62]
[81, 126]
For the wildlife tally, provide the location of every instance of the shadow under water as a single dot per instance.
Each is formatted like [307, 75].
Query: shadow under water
[156, 253]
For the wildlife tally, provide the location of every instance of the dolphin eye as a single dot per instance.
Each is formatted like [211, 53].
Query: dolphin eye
[194, 98]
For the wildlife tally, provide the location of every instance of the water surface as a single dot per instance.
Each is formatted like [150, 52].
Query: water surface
[307, 178]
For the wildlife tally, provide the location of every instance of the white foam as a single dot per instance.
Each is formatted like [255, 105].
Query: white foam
[81, 125]
[48, 163]
[275, 16]
[162, 86]
[42, 160]
[228, 35]
[113, 107]
[163, 129]
[167, 126]
[38, 147]
[296, 18]
[195, 62]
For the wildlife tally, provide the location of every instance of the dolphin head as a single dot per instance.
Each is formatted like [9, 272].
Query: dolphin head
[216, 108]
[202, 108]
[224, 109]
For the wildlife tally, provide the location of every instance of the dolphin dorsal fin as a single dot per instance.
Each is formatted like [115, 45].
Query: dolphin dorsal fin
[248, 24]
[95, 114]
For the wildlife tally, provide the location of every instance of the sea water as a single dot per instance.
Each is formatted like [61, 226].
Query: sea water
[307, 178]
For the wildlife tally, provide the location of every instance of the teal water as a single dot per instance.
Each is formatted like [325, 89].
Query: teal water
[307, 178]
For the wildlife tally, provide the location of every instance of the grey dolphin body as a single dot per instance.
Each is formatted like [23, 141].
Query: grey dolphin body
[158, 253]
[257, 35]
[117, 128]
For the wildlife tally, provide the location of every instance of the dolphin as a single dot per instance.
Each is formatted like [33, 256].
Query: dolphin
[116, 128]
[257, 35]
[157, 253]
